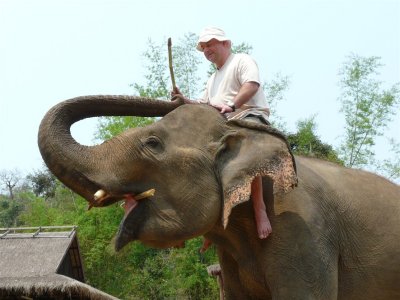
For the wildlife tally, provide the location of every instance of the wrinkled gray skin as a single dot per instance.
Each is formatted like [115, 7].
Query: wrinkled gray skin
[335, 236]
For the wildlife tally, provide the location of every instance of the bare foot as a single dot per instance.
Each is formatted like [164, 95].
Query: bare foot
[264, 228]
[205, 246]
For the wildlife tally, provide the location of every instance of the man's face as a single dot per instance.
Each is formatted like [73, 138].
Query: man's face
[213, 50]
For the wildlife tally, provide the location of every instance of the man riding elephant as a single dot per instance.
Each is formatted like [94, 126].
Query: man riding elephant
[235, 90]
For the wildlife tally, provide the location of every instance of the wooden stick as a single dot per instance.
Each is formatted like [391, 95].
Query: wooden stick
[171, 69]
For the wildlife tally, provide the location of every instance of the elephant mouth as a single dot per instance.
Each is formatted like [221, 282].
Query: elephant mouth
[131, 201]
[135, 216]
[103, 198]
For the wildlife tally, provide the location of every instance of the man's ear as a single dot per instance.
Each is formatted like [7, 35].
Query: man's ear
[245, 153]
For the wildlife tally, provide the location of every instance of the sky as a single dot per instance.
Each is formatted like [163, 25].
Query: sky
[53, 50]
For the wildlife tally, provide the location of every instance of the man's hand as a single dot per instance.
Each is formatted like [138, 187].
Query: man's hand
[175, 91]
[177, 94]
[179, 98]
[223, 108]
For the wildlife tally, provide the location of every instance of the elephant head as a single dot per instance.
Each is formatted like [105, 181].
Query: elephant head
[200, 165]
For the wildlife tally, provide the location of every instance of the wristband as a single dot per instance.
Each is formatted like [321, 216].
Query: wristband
[233, 107]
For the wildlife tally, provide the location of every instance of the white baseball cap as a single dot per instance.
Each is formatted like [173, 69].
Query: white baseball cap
[210, 33]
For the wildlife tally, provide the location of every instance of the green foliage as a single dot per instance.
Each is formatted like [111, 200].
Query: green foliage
[9, 211]
[109, 127]
[38, 213]
[242, 48]
[156, 72]
[367, 108]
[306, 142]
[139, 272]
[43, 183]
[274, 91]
[189, 272]
[13, 205]
[157, 84]
[168, 273]
[186, 63]
[390, 167]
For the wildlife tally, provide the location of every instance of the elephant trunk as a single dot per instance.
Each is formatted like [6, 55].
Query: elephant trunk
[73, 163]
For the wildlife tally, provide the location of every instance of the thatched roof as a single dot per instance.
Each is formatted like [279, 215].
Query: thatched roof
[43, 263]
[49, 287]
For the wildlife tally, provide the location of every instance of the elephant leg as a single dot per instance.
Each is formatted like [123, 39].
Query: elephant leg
[232, 286]
[240, 284]
[300, 264]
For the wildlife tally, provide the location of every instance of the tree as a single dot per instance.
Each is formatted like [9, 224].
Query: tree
[108, 127]
[368, 108]
[157, 82]
[390, 168]
[306, 142]
[274, 90]
[156, 76]
[43, 183]
[9, 211]
[186, 65]
[9, 179]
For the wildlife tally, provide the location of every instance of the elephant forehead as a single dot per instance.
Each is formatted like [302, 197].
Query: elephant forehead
[194, 122]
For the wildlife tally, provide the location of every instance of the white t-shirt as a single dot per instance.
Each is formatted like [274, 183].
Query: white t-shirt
[225, 83]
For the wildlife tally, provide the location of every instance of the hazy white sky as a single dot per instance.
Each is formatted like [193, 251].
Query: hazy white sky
[52, 50]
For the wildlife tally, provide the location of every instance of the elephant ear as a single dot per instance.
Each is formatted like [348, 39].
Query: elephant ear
[249, 150]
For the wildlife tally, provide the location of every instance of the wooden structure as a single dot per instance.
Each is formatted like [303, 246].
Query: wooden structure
[43, 263]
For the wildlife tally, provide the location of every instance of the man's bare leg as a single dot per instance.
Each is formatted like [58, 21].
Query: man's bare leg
[263, 224]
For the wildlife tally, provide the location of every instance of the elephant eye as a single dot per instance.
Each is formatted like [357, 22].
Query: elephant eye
[153, 143]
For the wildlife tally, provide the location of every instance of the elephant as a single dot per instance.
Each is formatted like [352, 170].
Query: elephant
[336, 230]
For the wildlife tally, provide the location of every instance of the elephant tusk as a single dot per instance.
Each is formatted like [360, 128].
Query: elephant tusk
[98, 198]
[99, 195]
[146, 194]
[141, 196]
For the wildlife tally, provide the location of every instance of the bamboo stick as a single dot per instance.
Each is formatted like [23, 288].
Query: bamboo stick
[171, 69]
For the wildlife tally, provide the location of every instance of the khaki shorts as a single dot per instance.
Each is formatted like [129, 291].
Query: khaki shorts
[256, 119]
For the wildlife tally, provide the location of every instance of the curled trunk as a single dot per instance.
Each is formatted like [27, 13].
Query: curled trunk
[72, 162]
